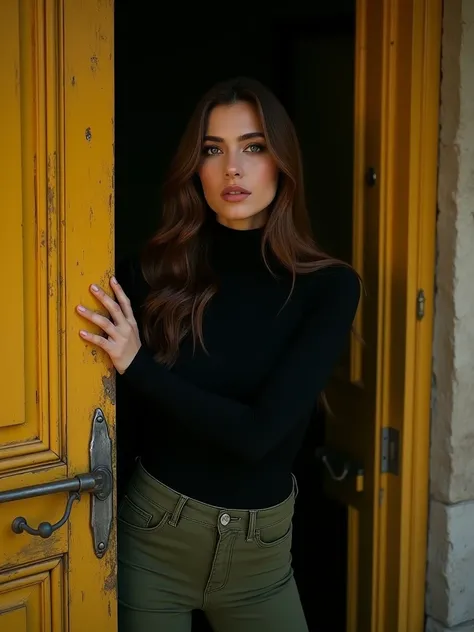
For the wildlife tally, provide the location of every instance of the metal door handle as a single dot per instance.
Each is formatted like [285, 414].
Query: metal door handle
[336, 477]
[340, 466]
[45, 529]
[98, 482]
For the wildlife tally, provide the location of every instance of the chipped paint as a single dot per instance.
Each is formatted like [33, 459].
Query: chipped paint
[111, 579]
[61, 178]
[108, 382]
[51, 191]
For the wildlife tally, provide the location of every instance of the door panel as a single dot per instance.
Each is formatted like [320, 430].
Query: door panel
[396, 68]
[56, 239]
[24, 419]
[31, 599]
[351, 429]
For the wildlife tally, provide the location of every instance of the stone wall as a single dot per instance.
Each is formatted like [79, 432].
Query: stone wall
[450, 572]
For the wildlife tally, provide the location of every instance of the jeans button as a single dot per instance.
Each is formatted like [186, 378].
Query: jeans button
[225, 519]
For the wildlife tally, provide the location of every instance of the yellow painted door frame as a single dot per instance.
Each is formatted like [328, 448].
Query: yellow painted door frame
[56, 178]
[384, 389]
[411, 59]
[58, 181]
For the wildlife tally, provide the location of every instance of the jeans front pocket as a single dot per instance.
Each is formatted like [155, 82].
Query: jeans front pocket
[138, 513]
[275, 534]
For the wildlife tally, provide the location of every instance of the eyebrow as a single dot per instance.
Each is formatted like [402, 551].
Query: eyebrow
[218, 139]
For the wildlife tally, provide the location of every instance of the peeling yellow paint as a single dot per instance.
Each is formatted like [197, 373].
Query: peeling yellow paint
[89, 259]
[56, 182]
[108, 382]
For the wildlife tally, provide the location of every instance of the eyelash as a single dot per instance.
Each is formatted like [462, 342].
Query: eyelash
[207, 148]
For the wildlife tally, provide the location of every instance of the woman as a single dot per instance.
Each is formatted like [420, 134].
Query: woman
[224, 335]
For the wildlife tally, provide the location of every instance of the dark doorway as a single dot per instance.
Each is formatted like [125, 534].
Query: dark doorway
[306, 56]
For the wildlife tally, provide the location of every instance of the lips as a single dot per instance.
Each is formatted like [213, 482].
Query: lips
[235, 194]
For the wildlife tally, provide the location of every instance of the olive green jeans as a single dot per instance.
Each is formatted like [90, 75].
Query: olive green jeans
[177, 555]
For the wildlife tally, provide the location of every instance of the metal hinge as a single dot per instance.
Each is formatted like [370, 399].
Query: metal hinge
[420, 304]
[390, 460]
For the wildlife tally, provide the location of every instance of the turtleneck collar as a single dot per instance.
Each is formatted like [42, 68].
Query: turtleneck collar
[235, 249]
[226, 232]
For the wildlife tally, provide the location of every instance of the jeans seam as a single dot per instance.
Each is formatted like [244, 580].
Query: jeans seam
[158, 506]
[204, 524]
[208, 590]
[148, 500]
[141, 512]
[144, 530]
[147, 610]
[274, 524]
[229, 564]
[269, 545]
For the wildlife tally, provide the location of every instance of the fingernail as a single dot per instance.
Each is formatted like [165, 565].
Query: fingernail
[81, 308]
[83, 333]
[94, 288]
[114, 281]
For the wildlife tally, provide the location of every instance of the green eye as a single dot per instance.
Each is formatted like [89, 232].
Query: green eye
[211, 150]
[255, 148]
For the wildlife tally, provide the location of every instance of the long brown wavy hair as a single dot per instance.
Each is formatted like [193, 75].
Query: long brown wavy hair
[175, 262]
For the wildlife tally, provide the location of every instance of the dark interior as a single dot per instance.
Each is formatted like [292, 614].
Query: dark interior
[305, 54]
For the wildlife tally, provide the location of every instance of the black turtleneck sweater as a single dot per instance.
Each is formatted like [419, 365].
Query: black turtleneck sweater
[224, 427]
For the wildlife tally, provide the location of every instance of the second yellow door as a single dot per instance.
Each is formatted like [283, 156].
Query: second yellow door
[376, 455]
[56, 178]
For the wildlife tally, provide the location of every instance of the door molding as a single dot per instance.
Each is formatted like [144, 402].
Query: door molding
[412, 51]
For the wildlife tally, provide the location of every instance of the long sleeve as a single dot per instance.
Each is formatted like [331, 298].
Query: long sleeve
[290, 391]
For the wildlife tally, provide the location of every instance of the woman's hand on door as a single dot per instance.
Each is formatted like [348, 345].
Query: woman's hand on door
[122, 340]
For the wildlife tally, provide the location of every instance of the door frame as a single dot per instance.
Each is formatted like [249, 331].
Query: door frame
[411, 60]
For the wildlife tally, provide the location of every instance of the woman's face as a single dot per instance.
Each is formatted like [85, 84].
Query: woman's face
[238, 174]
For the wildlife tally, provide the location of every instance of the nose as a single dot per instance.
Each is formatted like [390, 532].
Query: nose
[232, 172]
[233, 168]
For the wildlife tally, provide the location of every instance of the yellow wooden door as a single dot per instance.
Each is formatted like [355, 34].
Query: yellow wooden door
[377, 443]
[57, 413]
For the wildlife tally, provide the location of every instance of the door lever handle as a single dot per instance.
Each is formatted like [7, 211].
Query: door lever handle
[99, 482]
[45, 529]
[341, 467]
